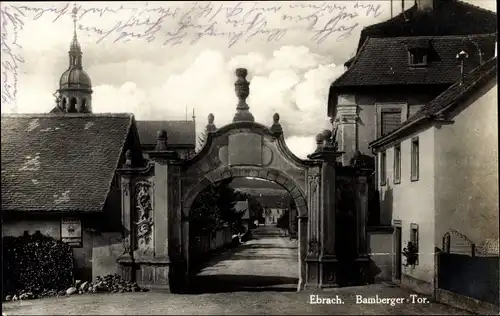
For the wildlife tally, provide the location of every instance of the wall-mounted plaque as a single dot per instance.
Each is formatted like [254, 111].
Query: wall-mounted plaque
[245, 149]
[71, 231]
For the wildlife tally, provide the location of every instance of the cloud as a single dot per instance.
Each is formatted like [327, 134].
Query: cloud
[301, 146]
[291, 81]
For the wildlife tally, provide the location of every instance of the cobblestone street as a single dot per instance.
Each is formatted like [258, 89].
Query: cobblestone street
[259, 277]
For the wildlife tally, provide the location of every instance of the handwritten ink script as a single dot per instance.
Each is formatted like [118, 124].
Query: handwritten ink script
[175, 23]
[12, 24]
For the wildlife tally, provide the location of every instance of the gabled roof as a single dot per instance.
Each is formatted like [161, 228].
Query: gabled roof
[384, 61]
[56, 109]
[60, 162]
[179, 132]
[445, 101]
[449, 17]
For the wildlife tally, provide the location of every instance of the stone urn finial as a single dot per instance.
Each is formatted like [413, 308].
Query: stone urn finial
[162, 141]
[276, 127]
[242, 89]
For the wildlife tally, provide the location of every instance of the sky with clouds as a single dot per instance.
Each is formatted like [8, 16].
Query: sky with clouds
[158, 59]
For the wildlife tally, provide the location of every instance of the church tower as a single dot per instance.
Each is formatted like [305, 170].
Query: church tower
[75, 88]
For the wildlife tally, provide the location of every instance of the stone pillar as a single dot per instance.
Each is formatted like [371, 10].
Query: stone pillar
[325, 216]
[160, 263]
[313, 227]
[126, 259]
[362, 261]
[362, 211]
[347, 120]
[302, 230]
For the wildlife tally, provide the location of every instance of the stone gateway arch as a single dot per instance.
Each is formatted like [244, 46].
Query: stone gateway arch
[156, 200]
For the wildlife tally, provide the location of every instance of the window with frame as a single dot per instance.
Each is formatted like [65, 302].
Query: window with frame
[414, 159]
[390, 119]
[417, 57]
[397, 164]
[414, 238]
[383, 166]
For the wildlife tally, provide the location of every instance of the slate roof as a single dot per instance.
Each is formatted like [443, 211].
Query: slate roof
[472, 81]
[179, 132]
[384, 61]
[449, 17]
[54, 162]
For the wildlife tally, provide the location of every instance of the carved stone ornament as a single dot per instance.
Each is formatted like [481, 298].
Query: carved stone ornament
[144, 215]
[331, 276]
[314, 183]
[127, 249]
[125, 188]
[314, 246]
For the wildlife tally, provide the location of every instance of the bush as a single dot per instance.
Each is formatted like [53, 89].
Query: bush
[36, 263]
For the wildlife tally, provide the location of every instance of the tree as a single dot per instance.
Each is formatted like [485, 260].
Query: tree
[283, 221]
[213, 208]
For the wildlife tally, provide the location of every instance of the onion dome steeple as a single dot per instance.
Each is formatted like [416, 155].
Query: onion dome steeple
[75, 87]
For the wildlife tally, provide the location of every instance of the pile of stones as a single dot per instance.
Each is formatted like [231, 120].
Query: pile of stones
[112, 283]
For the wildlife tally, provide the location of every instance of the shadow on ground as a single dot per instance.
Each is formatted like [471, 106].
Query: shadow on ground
[242, 283]
[226, 281]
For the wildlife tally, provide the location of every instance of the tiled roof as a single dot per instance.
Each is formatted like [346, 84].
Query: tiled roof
[384, 61]
[56, 109]
[179, 132]
[450, 97]
[54, 162]
[449, 17]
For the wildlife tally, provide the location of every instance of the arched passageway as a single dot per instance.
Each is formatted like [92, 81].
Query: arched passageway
[242, 148]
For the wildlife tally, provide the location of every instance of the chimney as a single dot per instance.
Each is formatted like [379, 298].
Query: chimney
[462, 56]
[424, 5]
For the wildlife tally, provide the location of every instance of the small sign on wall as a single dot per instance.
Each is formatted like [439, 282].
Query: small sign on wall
[71, 231]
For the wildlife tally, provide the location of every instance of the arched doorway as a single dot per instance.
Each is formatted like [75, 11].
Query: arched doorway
[228, 251]
[225, 156]
[274, 175]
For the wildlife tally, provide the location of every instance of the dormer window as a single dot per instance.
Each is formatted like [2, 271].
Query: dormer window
[417, 57]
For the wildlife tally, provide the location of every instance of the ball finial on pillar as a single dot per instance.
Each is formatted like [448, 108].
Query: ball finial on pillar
[242, 89]
[327, 137]
[276, 127]
[319, 141]
[162, 140]
[128, 157]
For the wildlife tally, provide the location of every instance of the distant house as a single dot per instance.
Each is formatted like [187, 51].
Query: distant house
[243, 207]
[181, 136]
[438, 182]
[266, 193]
[59, 178]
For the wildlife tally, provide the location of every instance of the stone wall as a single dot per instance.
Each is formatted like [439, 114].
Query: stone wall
[380, 250]
[210, 243]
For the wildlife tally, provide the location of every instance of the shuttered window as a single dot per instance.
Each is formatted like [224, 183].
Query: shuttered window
[390, 119]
